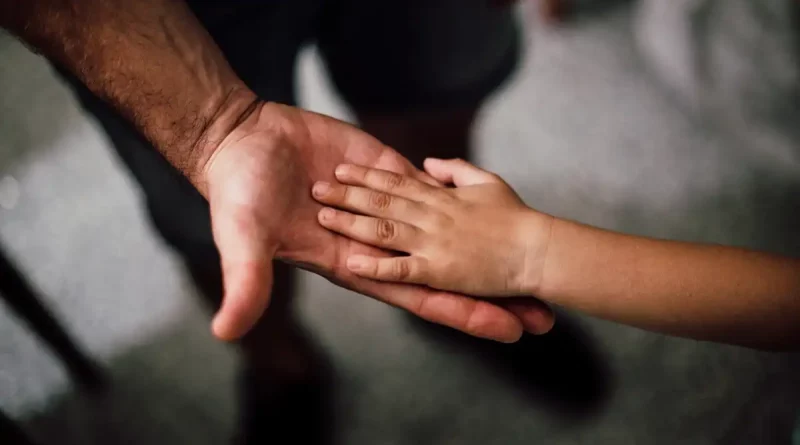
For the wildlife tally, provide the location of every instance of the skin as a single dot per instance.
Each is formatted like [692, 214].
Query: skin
[480, 238]
[254, 161]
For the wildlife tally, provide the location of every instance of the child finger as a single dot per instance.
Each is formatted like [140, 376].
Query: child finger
[458, 172]
[407, 269]
[377, 232]
[387, 182]
[368, 202]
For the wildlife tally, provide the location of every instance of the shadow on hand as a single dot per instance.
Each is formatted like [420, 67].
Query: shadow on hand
[562, 369]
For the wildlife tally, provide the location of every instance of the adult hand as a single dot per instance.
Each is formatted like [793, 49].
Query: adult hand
[258, 183]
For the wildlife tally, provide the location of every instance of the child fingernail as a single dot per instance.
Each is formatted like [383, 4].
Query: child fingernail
[356, 264]
[327, 214]
[342, 170]
[321, 189]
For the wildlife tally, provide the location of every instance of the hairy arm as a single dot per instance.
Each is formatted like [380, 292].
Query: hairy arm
[150, 59]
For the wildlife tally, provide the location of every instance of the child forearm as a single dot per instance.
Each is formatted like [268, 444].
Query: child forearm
[699, 291]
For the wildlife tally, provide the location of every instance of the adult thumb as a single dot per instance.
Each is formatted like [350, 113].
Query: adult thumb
[246, 298]
[247, 276]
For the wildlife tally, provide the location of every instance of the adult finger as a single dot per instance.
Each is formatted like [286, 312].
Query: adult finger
[474, 317]
[536, 316]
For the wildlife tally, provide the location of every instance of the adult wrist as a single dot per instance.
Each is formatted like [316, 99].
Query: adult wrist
[225, 115]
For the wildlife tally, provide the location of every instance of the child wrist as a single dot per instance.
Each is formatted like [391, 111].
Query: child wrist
[535, 232]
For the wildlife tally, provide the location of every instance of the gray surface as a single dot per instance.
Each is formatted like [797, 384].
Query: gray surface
[585, 131]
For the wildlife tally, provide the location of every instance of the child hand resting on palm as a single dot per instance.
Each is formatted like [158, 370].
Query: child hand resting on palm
[480, 238]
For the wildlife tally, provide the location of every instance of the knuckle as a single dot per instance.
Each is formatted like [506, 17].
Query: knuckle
[421, 269]
[346, 194]
[386, 230]
[402, 269]
[379, 201]
[393, 181]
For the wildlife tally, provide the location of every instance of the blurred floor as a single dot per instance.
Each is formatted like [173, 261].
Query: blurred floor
[583, 132]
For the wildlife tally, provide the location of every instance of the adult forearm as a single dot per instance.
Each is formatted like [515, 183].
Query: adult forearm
[699, 291]
[151, 59]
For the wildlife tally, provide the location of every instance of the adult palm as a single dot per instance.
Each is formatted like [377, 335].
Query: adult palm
[259, 188]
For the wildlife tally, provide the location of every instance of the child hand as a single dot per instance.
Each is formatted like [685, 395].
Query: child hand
[478, 238]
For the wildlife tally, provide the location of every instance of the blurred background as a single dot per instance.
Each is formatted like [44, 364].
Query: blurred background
[667, 118]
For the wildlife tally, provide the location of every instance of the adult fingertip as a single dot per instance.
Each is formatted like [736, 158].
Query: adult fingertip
[222, 330]
[507, 334]
[512, 336]
[539, 322]
[537, 318]
[495, 323]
